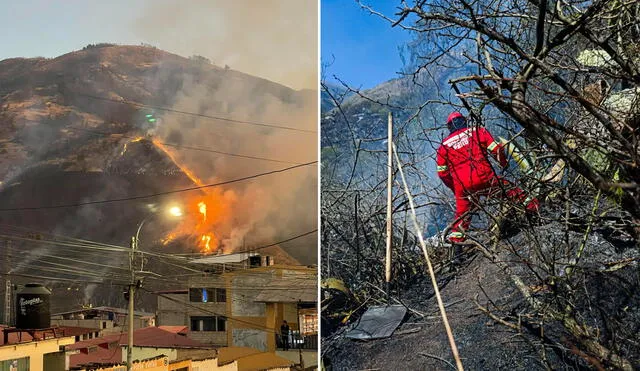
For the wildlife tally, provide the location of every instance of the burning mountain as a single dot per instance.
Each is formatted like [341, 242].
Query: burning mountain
[86, 111]
[200, 215]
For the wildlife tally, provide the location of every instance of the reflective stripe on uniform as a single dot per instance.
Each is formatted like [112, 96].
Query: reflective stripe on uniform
[456, 234]
[442, 168]
[492, 146]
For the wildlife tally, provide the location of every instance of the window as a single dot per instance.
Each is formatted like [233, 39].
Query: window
[195, 295]
[221, 295]
[210, 323]
[207, 295]
[20, 364]
[308, 322]
[222, 323]
[104, 324]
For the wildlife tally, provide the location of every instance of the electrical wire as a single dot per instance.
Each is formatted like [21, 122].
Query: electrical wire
[199, 308]
[96, 132]
[254, 123]
[54, 279]
[260, 247]
[132, 198]
[87, 244]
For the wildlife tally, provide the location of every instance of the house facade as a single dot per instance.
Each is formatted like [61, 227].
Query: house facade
[244, 303]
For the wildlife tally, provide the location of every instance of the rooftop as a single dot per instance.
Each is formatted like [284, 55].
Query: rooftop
[108, 349]
[224, 258]
[105, 309]
[155, 337]
[250, 359]
[180, 330]
[15, 336]
[277, 254]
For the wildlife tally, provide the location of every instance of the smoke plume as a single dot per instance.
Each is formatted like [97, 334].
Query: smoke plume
[273, 39]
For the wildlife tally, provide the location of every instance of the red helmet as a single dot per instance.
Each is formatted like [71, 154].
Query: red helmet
[456, 121]
[452, 116]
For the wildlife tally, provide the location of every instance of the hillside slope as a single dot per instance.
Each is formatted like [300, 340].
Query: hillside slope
[81, 158]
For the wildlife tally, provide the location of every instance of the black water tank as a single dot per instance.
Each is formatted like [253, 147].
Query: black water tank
[33, 307]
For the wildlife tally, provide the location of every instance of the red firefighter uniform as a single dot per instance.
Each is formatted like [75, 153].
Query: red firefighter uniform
[464, 167]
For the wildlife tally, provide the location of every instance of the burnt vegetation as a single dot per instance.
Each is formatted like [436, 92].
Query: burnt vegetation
[558, 82]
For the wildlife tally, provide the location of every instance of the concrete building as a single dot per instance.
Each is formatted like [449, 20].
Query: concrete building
[240, 300]
[172, 310]
[261, 298]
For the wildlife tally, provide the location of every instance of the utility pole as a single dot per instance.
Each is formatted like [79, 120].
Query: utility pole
[132, 289]
[8, 291]
[299, 334]
[389, 200]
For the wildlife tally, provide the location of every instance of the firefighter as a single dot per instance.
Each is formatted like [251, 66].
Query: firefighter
[464, 167]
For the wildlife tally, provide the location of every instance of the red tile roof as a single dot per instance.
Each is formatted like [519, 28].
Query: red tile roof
[155, 337]
[181, 330]
[98, 355]
[108, 349]
[60, 331]
[159, 338]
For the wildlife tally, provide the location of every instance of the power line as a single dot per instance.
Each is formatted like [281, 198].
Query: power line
[255, 123]
[260, 247]
[199, 308]
[59, 279]
[132, 198]
[187, 147]
[101, 247]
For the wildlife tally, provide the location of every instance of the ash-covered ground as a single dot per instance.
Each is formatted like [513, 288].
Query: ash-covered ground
[599, 289]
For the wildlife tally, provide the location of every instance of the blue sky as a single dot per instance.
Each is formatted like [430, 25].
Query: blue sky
[365, 46]
[274, 39]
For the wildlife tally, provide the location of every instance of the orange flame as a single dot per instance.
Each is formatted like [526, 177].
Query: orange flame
[201, 217]
[136, 139]
[203, 210]
[206, 239]
[186, 171]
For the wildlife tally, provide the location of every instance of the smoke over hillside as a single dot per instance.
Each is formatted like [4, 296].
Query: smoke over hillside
[52, 125]
[273, 39]
[267, 209]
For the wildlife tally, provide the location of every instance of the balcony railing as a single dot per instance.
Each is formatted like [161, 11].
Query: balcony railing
[296, 341]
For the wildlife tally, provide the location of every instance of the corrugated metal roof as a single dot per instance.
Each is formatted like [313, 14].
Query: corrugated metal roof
[224, 258]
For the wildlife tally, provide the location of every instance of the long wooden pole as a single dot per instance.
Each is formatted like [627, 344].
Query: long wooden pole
[389, 199]
[434, 282]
